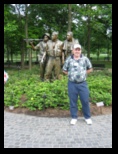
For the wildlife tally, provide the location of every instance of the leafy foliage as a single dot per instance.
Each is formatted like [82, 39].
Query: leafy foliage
[43, 18]
[24, 89]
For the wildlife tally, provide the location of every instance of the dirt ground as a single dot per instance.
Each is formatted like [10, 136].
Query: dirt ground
[61, 113]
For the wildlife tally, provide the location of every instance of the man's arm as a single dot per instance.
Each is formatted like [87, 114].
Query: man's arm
[65, 68]
[62, 57]
[65, 72]
[44, 54]
[62, 53]
[31, 43]
[89, 70]
[88, 66]
[35, 47]
[43, 57]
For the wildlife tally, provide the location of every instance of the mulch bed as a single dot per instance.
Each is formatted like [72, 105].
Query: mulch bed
[50, 112]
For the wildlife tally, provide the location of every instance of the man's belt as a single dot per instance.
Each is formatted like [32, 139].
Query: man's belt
[77, 82]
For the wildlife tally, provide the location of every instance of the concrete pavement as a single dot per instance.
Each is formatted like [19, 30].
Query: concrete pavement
[25, 131]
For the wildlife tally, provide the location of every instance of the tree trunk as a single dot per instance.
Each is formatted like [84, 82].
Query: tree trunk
[7, 53]
[36, 56]
[69, 17]
[108, 53]
[11, 53]
[26, 35]
[98, 53]
[89, 32]
[22, 55]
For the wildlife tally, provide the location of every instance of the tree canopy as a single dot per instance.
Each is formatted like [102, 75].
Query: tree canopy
[91, 24]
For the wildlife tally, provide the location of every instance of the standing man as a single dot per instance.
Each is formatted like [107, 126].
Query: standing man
[77, 67]
[55, 54]
[68, 43]
[42, 46]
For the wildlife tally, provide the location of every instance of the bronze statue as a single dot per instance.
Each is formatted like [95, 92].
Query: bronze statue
[68, 44]
[56, 57]
[42, 46]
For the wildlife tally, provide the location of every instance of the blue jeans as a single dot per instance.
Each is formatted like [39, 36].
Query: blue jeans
[81, 90]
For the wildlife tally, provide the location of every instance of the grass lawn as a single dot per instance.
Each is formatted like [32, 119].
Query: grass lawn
[108, 64]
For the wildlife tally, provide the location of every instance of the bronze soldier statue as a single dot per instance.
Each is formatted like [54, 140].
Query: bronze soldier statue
[42, 46]
[56, 57]
[68, 44]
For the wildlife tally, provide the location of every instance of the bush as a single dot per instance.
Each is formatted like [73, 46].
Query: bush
[41, 95]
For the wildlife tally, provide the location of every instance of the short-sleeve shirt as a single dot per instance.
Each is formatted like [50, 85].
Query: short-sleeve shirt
[77, 68]
[42, 48]
[54, 48]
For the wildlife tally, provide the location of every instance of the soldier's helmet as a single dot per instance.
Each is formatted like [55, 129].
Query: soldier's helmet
[70, 33]
[46, 34]
[55, 33]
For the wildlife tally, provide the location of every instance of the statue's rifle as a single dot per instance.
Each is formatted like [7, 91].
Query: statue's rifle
[29, 40]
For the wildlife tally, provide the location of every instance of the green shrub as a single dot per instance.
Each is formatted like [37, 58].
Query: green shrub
[42, 95]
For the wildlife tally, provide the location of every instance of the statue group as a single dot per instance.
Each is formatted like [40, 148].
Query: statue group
[52, 54]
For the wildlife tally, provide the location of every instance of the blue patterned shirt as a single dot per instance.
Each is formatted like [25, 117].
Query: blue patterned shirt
[77, 68]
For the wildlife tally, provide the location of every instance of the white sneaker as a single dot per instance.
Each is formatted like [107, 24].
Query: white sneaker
[88, 121]
[73, 121]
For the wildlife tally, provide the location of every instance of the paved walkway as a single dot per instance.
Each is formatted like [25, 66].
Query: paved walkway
[24, 131]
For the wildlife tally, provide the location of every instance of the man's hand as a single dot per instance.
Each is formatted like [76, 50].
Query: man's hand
[89, 71]
[65, 72]
[31, 43]
[42, 60]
